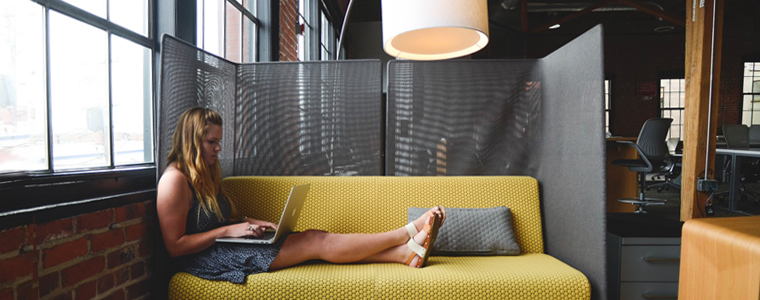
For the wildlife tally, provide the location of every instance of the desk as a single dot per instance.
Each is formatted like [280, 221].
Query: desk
[720, 259]
[734, 183]
[621, 183]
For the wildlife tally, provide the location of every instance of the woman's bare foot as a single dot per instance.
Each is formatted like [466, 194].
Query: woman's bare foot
[438, 210]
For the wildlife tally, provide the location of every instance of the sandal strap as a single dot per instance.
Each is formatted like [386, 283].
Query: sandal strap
[411, 229]
[416, 248]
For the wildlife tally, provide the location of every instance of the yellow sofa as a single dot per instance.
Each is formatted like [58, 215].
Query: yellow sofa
[379, 203]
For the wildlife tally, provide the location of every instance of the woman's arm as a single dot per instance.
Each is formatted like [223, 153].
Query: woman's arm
[173, 203]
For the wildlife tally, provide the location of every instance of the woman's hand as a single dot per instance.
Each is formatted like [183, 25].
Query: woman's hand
[260, 223]
[249, 229]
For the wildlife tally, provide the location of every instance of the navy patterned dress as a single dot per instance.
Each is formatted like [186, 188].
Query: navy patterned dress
[224, 261]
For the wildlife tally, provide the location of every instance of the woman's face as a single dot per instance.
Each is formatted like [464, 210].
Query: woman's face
[210, 145]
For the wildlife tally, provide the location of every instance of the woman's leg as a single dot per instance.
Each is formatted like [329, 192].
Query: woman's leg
[348, 248]
[335, 248]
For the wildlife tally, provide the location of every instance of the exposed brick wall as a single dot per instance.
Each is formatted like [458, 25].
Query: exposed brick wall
[288, 37]
[104, 255]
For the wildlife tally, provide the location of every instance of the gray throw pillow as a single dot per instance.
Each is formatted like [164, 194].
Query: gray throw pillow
[473, 231]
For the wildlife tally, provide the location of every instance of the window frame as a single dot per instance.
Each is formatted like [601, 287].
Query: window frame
[259, 5]
[77, 191]
[680, 109]
[752, 93]
[609, 109]
[677, 74]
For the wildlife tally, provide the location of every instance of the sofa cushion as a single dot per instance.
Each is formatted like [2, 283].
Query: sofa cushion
[473, 231]
[526, 276]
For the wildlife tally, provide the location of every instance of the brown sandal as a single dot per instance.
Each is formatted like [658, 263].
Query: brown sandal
[412, 229]
[423, 251]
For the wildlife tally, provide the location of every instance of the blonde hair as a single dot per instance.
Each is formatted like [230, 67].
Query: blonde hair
[192, 127]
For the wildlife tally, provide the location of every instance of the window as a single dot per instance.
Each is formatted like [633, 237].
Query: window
[607, 106]
[751, 94]
[76, 102]
[672, 102]
[305, 39]
[76, 85]
[319, 40]
[228, 28]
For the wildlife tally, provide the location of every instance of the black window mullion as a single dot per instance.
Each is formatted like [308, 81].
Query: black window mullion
[48, 95]
[111, 147]
[93, 20]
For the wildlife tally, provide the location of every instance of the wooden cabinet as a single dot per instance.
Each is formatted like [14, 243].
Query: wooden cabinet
[643, 254]
[721, 259]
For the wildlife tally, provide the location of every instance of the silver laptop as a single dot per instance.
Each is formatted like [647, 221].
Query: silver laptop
[287, 223]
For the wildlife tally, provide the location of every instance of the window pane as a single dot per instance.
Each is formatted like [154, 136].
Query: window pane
[96, 7]
[131, 93]
[23, 138]
[79, 94]
[232, 31]
[213, 26]
[747, 102]
[249, 41]
[130, 14]
[747, 117]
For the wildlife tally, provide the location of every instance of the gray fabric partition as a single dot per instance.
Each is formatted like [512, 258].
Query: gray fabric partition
[572, 173]
[542, 118]
[462, 117]
[284, 118]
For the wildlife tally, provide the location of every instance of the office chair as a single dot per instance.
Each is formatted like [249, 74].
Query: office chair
[672, 179]
[654, 157]
[738, 136]
[754, 136]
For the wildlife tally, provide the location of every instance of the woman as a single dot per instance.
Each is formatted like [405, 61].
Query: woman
[193, 211]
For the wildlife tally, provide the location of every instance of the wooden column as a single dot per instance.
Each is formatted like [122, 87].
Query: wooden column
[699, 143]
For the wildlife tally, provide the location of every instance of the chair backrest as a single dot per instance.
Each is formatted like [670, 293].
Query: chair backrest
[652, 138]
[736, 135]
[754, 135]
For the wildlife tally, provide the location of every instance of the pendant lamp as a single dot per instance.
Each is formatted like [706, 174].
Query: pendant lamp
[434, 29]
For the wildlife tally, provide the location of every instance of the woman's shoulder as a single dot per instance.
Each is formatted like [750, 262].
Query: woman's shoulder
[172, 177]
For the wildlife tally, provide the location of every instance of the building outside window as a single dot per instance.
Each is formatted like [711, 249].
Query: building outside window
[228, 28]
[76, 85]
[672, 103]
[751, 94]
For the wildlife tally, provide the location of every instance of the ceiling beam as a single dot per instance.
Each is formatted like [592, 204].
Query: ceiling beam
[655, 12]
[572, 16]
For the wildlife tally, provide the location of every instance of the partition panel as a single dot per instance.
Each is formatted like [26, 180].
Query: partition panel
[192, 77]
[309, 118]
[282, 118]
[543, 118]
[462, 117]
[571, 173]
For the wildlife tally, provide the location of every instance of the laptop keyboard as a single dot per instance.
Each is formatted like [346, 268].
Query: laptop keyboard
[267, 236]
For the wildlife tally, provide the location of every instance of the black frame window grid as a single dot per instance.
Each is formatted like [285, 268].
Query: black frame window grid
[751, 94]
[229, 29]
[672, 104]
[89, 111]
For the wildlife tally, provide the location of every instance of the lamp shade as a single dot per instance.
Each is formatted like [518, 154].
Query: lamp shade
[434, 29]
